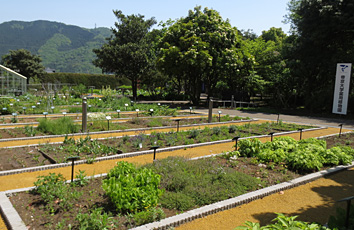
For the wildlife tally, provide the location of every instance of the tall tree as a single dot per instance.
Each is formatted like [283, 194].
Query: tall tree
[200, 47]
[325, 35]
[23, 62]
[127, 51]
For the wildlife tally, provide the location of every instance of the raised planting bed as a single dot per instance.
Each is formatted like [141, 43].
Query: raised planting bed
[66, 125]
[87, 149]
[187, 185]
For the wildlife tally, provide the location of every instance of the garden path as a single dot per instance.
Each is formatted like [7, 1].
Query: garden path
[334, 122]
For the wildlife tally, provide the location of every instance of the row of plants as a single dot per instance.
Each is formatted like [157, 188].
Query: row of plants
[90, 149]
[306, 155]
[32, 104]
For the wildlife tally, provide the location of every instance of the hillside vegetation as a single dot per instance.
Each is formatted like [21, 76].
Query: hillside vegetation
[62, 47]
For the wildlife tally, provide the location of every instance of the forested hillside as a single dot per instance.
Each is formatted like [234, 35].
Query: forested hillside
[62, 47]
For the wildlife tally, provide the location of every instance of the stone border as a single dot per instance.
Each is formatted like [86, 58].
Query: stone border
[138, 153]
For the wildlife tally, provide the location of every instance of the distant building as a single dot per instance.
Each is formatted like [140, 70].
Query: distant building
[49, 70]
[11, 82]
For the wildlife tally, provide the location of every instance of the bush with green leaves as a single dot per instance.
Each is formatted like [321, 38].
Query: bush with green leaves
[304, 155]
[132, 189]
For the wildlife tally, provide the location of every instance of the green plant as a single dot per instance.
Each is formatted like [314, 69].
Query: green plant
[96, 220]
[132, 189]
[149, 215]
[81, 179]
[63, 125]
[283, 222]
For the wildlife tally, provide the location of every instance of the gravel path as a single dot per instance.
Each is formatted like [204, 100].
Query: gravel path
[333, 122]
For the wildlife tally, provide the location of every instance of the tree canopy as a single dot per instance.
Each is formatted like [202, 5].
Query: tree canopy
[201, 47]
[127, 52]
[23, 62]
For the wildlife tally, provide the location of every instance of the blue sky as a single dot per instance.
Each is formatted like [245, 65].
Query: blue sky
[257, 15]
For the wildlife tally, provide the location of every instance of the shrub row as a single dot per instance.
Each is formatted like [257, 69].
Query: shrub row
[97, 80]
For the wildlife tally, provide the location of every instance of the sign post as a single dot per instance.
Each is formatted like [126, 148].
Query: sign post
[341, 90]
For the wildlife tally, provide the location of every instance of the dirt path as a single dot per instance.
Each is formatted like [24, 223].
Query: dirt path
[312, 202]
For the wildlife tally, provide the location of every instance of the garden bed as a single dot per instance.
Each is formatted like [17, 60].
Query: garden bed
[87, 149]
[93, 203]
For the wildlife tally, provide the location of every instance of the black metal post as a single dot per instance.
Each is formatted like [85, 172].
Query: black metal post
[108, 124]
[348, 200]
[72, 159]
[300, 133]
[271, 136]
[178, 120]
[154, 148]
[236, 139]
[340, 130]
[278, 118]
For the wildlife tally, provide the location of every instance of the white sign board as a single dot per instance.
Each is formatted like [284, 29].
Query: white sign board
[341, 90]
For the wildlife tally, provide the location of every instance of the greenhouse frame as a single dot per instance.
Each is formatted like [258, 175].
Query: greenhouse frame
[12, 83]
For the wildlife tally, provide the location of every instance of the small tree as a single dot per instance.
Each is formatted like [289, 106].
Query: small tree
[127, 52]
[23, 62]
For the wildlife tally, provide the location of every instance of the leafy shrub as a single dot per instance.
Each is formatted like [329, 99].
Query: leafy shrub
[132, 189]
[63, 125]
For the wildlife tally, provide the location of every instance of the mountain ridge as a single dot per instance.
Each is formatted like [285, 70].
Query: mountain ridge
[65, 48]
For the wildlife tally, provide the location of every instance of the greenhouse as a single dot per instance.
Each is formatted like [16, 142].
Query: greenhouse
[12, 83]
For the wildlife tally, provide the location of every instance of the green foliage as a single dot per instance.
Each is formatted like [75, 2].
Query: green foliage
[54, 192]
[200, 47]
[148, 216]
[96, 80]
[63, 125]
[283, 222]
[304, 155]
[201, 182]
[127, 53]
[96, 220]
[132, 189]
